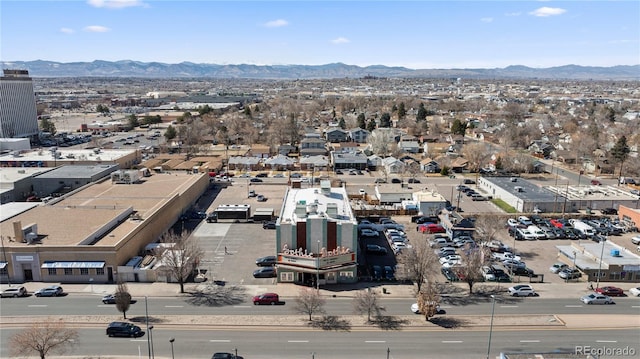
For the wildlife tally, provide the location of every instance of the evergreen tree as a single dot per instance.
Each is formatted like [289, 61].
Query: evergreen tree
[361, 121]
[48, 126]
[371, 125]
[341, 123]
[610, 114]
[402, 112]
[170, 133]
[458, 128]
[385, 120]
[422, 113]
[620, 152]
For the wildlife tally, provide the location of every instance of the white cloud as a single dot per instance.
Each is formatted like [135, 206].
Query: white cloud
[96, 28]
[513, 14]
[66, 30]
[340, 40]
[547, 11]
[115, 4]
[276, 23]
[486, 19]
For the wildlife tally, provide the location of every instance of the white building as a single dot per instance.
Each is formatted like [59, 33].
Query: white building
[316, 237]
[18, 114]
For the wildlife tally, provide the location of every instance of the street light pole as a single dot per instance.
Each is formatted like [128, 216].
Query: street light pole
[600, 264]
[6, 263]
[153, 355]
[493, 307]
[171, 341]
[318, 268]
[146, 316]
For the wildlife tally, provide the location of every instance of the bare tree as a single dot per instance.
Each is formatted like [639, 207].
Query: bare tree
[487, 226]
[428, 301]
[181, 257]
[473, 258]
[366, 301]
[45, 337]
[123, 298]
[477, 154]
[418, 264]
[309, 301]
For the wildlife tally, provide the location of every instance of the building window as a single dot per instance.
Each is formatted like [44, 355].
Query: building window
[84, 271]
[68, 271]
[346, 274]
[99, 271]
[52, 271]
[286, 277]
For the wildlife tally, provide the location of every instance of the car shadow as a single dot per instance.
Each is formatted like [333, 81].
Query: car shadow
[389, 322]
[448, 322]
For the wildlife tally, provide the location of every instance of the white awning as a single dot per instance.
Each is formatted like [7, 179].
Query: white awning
[3, 265]
[314, 271]
[71, 264]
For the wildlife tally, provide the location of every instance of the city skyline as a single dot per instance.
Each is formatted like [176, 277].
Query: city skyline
[412, 34]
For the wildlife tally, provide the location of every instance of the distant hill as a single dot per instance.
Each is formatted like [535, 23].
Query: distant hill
[128, 68]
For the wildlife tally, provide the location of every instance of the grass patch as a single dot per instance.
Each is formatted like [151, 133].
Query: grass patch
[504, 206]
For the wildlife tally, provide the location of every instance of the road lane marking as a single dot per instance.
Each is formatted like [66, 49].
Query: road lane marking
[242, 306]
[451, 341]
[530, 341]
[573, 306]
[174, 306]
[508, 306]
[297, 341]
[375, 341]
[37, 305]
[219, 341]
[138, 340]
[635, 306]
[606, 341]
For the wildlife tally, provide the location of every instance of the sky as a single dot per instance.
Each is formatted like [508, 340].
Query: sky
[414, 34]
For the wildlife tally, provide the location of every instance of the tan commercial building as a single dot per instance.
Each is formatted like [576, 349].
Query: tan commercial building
[84, 236]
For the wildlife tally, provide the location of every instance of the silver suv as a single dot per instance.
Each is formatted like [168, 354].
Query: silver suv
[14, 292]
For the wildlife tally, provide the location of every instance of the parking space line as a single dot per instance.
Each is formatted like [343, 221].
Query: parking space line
[219, 341]
[573, 306]
[451, 341]
[530, 341]
[508, 306]
[174, 306]
[297, 341]
[606, 341]
[375, 341]
[37, 305]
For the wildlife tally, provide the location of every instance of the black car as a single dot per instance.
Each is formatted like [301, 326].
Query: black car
[262, 175]
[609, 211]
[265, 272]
[413, 180]
[267, 261]
[338, 172]
[523, 271]
[396, 180]
[255, 180]
[376, 249]
[225, 356]
[449, 274]
[124, 329]
[269, 225]
[469, 181]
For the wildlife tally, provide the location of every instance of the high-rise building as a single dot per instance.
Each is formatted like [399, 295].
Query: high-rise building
[18, 113]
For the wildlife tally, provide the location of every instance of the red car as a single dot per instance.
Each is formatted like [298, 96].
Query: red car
[266, 298]
[611, 291]
[431, 228]
[556, 223]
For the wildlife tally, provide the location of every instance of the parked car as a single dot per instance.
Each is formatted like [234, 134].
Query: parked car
[376, 249]
[396, 180]
[596, 298]
[611, 291]
[261, 198]
[570, 273]
[376, 272]
[635, 239]
[450, 274]
[512, 263]
[523, 271]
[416, 309]
[269, 225]
[255, 180]
[557, 267]
[112, 298]
[369, 233]
[609, 211]
[265, 272]
[124, 329]
[389, 273]
[266, 298]
[51, 291]
[262, 175]
[431, 228]
[595, 182]
[267, 261]
[14, 292]
[413, 180]
[635, 291]
[522, 290]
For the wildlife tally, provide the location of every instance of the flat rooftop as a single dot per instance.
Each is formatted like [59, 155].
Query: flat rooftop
[312, 197]
[593, 193]
[69, 155]
[530, 192]
[10, 175]
[69, 221]
[588, 254]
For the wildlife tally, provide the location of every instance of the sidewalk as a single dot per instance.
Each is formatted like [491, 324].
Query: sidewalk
[286, 290]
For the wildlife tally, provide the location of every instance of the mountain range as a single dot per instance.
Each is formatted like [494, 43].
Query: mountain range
[128, 68]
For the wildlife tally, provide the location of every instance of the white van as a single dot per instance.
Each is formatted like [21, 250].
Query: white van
[586, 229]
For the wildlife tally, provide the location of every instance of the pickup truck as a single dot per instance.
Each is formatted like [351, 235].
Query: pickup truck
[504, 256]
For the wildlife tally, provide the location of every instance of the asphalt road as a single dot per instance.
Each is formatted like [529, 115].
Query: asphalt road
[270, 344]
[86, 305]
